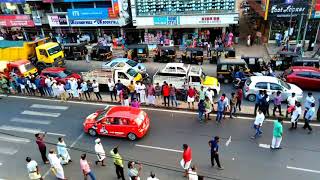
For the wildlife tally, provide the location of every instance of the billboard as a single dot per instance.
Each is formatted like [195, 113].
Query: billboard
[88, 13]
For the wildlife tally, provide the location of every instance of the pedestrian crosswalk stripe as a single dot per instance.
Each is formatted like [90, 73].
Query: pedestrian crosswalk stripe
[31, 121]
[8, 151]
[12, 139]
[42, 106]
[27, 130]
[36, 113]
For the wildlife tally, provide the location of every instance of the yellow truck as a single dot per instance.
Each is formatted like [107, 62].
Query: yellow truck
[41, 53]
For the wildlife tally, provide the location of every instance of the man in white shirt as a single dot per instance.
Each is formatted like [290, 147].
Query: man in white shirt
[111, 90]
[101, 154]
[33, 169]
[95, 86]
[291, 102]
[226, 103]
[258, 123]
[152, 176]
[307, 104]
[192, 173]
[48, 83]
[295, 116]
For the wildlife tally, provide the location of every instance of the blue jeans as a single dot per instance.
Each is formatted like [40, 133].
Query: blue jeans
[219, 116]
[174, 99]
[49, 91]
[200, 115]
[258, 131]
[92, 176]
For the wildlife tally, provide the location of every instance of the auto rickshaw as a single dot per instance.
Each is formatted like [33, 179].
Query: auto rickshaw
[165, 54]
[306, 61]
[75, 51]
[227, 67]
[216, 53]
[138, 52]
[229, 52]
[283, 60]
[101, 53]
[193, 55]
[254, 63]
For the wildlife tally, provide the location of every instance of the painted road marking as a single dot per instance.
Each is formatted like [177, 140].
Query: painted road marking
[13, 139]
[42, 106]
[31, 121]
[303, 169]
[228, 141]
[8, 151]
[159, 148]
[27, 130]
[267, 146]
[151, 109]
[36, 113]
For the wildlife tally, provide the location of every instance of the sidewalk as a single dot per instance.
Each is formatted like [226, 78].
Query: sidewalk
[272, 50]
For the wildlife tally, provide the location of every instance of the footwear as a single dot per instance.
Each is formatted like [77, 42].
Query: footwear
[278, 148]
[47, 162]
[220, 168]
[97, 162]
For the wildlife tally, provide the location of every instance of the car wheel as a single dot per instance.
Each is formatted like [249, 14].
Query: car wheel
[252, 97]
[132, 137]
[92, 132]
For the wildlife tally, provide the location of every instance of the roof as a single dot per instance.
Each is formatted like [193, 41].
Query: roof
[305, 68]
[264, 79]
[48, 45]
[74, 44]
[53, 69]
[231, 61]
[20, 62]
[133, 46]
[167, 47]
[287, 53]
[194, 49]
[123, 111]
[119, 60]
[7, 44]
[306, 59]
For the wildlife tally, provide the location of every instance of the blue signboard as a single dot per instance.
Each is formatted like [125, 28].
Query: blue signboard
[13, 1]
[166, 20]
[88, 13]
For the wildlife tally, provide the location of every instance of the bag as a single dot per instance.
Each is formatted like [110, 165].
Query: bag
[53, 171]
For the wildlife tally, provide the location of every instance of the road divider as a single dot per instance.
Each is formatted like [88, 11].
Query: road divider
[36, 113]
[27, 130]
[158, 148]
[31, 121]
[303, 169]
[42, 106]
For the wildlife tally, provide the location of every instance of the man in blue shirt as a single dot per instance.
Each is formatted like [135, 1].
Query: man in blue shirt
[259, 96]
[220, 109]
[308, 117]
[214, 149]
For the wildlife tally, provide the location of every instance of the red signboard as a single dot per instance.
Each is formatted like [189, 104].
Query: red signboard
[17, 23]
[15, 17]
[47, 1]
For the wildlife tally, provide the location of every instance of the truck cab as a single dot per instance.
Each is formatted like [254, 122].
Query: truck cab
[19, 68]
[49, 54]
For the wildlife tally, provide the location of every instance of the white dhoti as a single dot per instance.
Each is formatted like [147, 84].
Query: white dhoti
[56, 164]
[142, 97]
[101, 155]
[151, 99]
[126, 102]
[185, 165]
[190, 99]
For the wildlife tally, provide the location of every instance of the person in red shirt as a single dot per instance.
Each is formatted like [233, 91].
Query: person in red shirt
[165, 93]
[239, 98]
[42, 147]
[191, 95]
[186, 158]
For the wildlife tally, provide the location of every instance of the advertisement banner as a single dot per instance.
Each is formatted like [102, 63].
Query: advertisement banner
[47, 1]
[166, 20]
[12, 1]
[88, 13]
[107, 22]
[58, 20]
[15, 17]
[17, 23]
[288, 8]
[210, 19]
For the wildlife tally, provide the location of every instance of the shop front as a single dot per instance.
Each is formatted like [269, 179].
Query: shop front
[182, 30]
[12, 26]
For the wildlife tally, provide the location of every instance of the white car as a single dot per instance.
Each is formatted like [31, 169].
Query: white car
[271, 84]
[124, 63]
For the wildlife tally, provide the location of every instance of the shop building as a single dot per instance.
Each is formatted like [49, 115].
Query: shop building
[178, 22]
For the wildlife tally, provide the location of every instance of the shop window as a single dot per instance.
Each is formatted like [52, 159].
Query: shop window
[83, 5]
[61, 7]
[104, 4]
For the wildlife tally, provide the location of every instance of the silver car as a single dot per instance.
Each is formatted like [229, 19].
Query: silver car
[271, 84]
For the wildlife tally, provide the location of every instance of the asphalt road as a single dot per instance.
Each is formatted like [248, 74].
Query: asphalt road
[243, 159]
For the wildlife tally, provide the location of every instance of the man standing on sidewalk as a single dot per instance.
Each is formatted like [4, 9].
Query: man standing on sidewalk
[214, 147]
[309, 100]
[258, 123]
[239, 95]
[117, 161]
[277, 103]
[101, 155]
[308, 117]
[259, 96]
[277, 134]
[291, 102]
[42, 147]
[84, 165]
[295, 116]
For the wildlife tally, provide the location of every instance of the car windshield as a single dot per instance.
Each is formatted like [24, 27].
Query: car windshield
[132, 63]
[64, 74]
[132, 72]
[101, 115]
[26, 67]
[54, 50]
[284, 84]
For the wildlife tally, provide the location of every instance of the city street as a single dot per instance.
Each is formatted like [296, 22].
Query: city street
[160, 150]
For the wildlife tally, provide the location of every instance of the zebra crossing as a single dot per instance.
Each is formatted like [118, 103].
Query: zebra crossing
[34, 119]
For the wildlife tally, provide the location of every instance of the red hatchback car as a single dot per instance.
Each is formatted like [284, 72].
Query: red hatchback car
[304, 77]
[120, 121]
[60, 74]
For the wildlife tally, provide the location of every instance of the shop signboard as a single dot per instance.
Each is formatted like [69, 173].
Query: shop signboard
[219, 19]
[316, 10]
[14, 17]
[288, 8]
[58, 20]
[105, 22]
[88, 13]
[166, 20]
[47, 1]
[17, 23]
[12, 1]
